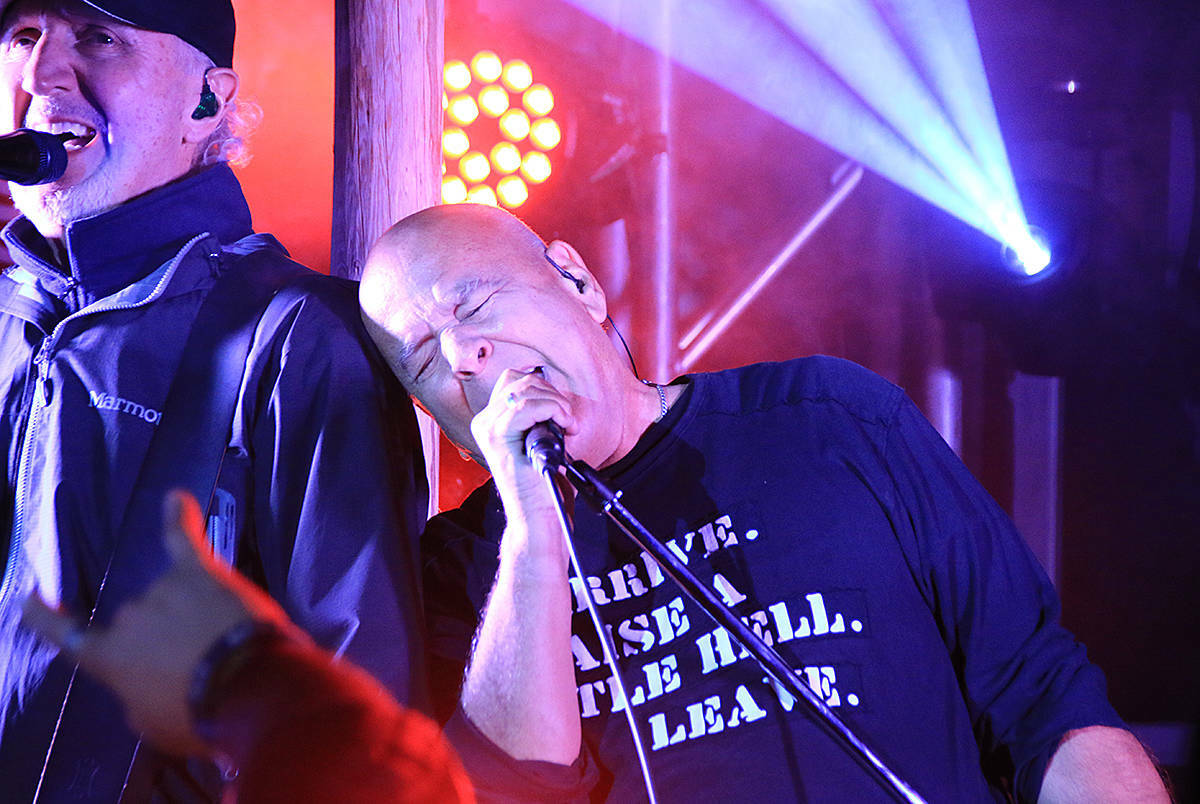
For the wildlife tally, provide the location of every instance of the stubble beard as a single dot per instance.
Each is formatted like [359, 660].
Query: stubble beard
[50, 210]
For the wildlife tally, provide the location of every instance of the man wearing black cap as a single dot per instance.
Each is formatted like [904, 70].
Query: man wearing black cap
[150, 339]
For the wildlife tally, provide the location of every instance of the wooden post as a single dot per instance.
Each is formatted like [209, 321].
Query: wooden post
[387, 120]
[387, 135]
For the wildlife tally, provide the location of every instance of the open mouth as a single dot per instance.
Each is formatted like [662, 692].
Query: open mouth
[74, 135]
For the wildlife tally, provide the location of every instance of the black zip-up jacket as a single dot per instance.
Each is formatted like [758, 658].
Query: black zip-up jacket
[321, 492]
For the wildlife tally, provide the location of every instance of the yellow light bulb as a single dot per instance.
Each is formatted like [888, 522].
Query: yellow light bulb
[506, 158]
[454, 191]
[517, 75]
[482, 194]
[456, 75]
[463, 110]
[535, 167]
[545, 133]
[474, 167]
[455, 142]
[486, 66]
[538, 99]
[493, 100]
[514, 125]
[512, 191]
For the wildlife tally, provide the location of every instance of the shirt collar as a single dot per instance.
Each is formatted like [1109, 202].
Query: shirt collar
[116, 248]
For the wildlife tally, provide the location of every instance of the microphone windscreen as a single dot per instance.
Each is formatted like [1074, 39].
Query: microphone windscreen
[56, 164]
[32, 157]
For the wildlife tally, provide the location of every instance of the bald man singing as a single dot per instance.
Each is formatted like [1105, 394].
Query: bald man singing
[811, 495]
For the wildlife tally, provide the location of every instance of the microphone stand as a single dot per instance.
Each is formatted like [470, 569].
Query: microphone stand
[545, 449]
[589, 483]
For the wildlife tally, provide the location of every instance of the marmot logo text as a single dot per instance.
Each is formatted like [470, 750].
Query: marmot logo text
[103, 401]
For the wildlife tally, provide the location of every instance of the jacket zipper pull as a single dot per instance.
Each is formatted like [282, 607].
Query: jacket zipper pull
[70, 292]
[44, 384]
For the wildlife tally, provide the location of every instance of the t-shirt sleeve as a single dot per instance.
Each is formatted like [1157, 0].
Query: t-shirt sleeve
[1026, 680]
[500, 779]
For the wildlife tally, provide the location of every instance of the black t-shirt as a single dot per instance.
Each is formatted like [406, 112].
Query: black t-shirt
[819, 503]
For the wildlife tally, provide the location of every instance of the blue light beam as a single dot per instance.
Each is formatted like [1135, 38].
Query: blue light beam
[752, 56]
[940, 39]
[896, 85]
[854, 43]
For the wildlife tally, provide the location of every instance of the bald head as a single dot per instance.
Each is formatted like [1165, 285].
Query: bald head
[407, 261]
[465, 229]
[455, 294]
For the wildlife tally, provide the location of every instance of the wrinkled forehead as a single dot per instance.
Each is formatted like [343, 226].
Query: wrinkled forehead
[396, 295]
[423, 297]
[436, 259]
[413, 300]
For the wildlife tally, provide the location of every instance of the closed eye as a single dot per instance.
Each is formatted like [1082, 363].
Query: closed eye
[424, 366]
[477, 307]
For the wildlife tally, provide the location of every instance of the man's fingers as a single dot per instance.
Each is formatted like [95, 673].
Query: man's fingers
[61, 629]
[183, 528]
[521, 400]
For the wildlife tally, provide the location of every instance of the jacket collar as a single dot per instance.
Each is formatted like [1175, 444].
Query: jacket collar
[116, 248]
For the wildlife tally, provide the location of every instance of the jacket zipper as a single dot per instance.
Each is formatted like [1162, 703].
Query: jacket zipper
[42, 365]
[42, 361]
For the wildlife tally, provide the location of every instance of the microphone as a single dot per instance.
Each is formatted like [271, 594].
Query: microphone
[544, 445]
[32, 157]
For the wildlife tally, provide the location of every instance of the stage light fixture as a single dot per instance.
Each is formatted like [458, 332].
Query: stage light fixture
[482, 194]
[496, 146]
[512, 191]
[474, 167]
[1031, 256]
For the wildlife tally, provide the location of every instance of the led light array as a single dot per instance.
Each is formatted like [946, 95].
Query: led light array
[498, 131]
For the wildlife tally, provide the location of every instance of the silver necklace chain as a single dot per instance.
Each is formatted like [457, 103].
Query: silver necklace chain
[662, 400]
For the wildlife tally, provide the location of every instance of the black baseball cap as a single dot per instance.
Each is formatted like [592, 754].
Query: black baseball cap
[206, 25]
